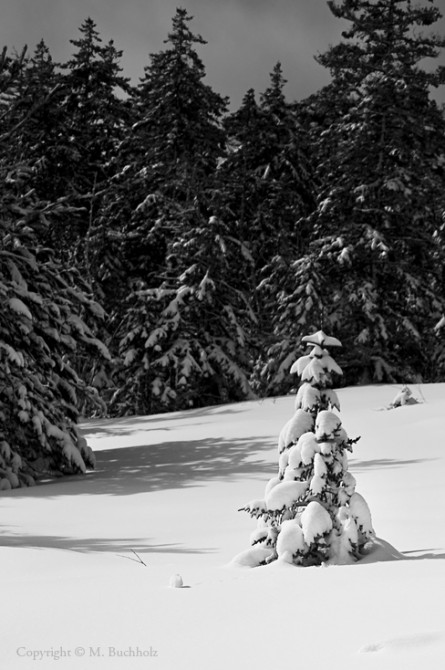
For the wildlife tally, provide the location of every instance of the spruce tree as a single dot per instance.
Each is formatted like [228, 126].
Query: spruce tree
[266, 174]
[311, 513]
[39, 122]
[167, 157]
[267, 190]
[376, 247]
[165, 259]
[95, 119]
[44, 315]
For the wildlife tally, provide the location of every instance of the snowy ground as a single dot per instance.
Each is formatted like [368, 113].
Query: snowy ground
[168, 488]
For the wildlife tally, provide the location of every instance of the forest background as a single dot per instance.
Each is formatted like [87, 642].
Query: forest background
[160, 252]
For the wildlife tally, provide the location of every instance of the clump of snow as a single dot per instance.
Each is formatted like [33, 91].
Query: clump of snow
[270, 484]
[255, 507]
[308, 398]
[314, 372]
[294, 460]
[326, 448]
[259, 535]
[283, 461]
[285, 494]
[349, 482]
[176, 582]
[300, 423]
[321, 339]
[315, 522]
[327, 425]
[320, 468]
[317, 485]
[308, 446]
[362, 515]
[300, 364]
[344, 540]
[290, 540]
[253, 557]
[403, 397]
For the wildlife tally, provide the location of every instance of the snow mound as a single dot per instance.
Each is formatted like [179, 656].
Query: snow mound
[251, 558]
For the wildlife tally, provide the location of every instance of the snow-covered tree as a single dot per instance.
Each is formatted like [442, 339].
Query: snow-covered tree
[186, 342]
[373, 265]
[169, 266]
[45, 309]
[311, 513]
[266, 190]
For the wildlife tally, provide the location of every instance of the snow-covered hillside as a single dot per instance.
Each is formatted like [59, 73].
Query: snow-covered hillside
[86, 564]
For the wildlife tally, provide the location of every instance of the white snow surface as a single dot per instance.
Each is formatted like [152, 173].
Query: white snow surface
[168, 487]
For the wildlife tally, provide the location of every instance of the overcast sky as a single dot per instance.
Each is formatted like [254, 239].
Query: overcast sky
[245, 37]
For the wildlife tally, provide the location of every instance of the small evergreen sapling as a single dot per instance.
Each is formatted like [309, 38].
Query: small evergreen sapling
[311, 513]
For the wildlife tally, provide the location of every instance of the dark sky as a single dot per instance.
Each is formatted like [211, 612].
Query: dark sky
[245, 37]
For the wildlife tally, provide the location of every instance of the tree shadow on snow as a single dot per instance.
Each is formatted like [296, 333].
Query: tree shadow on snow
[131, 424]
[382, 551]
[379, 463]
[86, 544]
[162, 466]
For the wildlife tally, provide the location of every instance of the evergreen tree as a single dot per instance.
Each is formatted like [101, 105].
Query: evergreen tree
[376, 250]
[180, 331]
[95, 117]
[267, 192]
[96, 112]
[311, 513]
[267, 174]
[168, 157]
[44, 311]
[187, 339]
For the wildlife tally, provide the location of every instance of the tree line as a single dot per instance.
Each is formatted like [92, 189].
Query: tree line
[161, 252]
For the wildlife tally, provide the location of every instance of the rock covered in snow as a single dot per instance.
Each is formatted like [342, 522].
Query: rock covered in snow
[404, 397]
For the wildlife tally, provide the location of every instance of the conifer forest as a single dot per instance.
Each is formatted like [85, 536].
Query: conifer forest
[161, 251]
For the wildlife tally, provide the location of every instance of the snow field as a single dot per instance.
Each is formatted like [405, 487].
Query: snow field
[168, 487]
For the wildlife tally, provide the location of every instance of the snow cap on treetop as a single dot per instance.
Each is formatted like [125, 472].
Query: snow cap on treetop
[321, 339]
